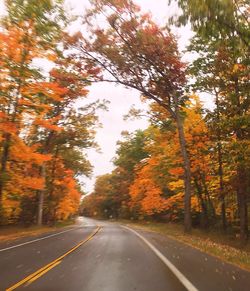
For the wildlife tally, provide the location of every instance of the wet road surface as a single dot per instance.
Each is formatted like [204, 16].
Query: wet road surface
[103, 256]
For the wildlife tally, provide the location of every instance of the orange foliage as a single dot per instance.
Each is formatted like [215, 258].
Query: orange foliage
[69, 204]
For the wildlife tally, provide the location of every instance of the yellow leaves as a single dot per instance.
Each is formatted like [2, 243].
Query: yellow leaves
[11, 209]
[175, 202]
[195, 204]
[176, 185]
[238, 67]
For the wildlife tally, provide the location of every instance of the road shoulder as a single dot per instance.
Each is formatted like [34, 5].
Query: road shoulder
[18, 235]
[199, 267]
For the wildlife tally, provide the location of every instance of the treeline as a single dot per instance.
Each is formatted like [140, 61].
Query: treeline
[147, 182]
[42, 134]
[191, 163]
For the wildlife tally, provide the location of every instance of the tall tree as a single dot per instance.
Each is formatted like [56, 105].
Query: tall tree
[40, 130]
[222, 39]
[138, 54]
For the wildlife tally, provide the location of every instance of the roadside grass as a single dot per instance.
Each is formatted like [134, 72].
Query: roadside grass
[224, 247]
[9, 233]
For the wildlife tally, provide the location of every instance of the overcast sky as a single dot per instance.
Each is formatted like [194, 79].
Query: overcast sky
[121, 99]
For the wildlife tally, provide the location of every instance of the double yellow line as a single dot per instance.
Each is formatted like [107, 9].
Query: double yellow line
[34, 276]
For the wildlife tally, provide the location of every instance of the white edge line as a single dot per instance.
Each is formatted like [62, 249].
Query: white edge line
[38, 239]
[187, 284]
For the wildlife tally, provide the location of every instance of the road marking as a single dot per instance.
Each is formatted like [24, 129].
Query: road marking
[32, 277]
[38, 239]
[42, 273]
[185, 282]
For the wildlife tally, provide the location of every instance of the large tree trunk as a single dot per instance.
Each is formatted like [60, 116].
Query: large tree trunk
[187, 170]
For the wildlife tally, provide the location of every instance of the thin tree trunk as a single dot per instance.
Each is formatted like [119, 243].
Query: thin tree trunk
[51, 207]
[187, 169]
[208, 198]
[204, 214]
[41, 194]
[220, 170]
[3, 177]
[4, 160]
[242, 204]
[241, 177]
[222, 194]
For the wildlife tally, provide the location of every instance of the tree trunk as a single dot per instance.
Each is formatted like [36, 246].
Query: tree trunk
[241, 176]
[41, 198]
[187, 170]
[222, 194]
[208, 198]
[242, 204]
[4, 160]
[204, 213]
[220, 170]
[41, 193]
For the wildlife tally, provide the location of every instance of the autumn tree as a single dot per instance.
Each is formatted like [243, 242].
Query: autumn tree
[111, 193]
[135, 52]
[222, 69]
[212, 18]
[27, 33]
[42, 134]
[130, 151]
[158, 184]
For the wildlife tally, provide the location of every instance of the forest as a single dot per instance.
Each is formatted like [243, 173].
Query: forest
[190, 166]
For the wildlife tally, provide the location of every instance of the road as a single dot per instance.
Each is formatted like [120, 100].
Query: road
[103, 256]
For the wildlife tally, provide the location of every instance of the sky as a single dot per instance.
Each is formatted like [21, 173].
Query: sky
[121, 99]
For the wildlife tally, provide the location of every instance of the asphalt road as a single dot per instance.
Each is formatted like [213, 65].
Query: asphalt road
[112, 258]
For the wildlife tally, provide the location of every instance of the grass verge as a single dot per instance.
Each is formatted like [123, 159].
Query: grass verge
[221, 246]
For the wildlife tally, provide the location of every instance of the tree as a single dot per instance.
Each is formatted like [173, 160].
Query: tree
[216, 18]
[138, 54]
[158, 185]
[17, 52]
[40, 131]
[222, 40]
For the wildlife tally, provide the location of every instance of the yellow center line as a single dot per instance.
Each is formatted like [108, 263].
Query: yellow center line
[42, 273]
[32, 277]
